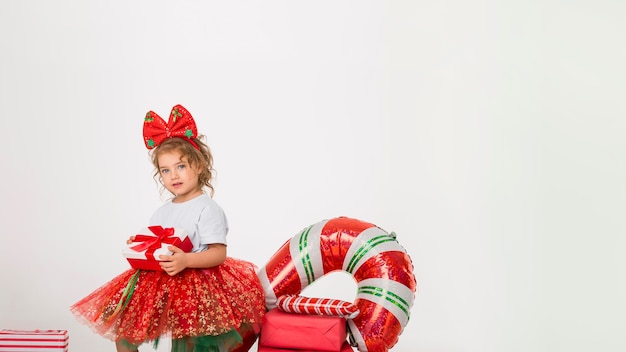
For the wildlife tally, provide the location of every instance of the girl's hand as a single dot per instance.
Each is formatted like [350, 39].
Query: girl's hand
[130, 240]
[175, 263]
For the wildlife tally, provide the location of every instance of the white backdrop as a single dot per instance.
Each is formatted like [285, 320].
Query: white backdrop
[489, 135]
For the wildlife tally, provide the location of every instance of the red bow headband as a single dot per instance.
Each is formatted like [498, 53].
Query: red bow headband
[180, 124]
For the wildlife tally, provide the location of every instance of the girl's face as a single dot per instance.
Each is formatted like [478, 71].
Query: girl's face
[178, 176]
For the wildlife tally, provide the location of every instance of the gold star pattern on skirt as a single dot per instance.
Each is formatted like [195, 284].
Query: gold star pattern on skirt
[193, 303]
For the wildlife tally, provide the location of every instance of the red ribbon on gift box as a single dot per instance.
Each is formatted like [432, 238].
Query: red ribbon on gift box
[152, 243]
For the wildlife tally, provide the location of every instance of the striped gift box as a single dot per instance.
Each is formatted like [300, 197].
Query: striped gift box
[33, 340]
[317, 306]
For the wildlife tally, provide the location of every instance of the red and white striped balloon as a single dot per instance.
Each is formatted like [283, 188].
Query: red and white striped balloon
[381, 267]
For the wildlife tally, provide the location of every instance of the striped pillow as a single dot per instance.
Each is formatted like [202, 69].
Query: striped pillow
[317, 306]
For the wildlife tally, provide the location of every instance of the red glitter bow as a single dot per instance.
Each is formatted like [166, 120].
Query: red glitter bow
[180, 124]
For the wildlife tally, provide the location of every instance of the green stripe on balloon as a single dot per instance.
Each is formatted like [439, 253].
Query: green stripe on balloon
[368, 246]
[389, 296]
[304, 254]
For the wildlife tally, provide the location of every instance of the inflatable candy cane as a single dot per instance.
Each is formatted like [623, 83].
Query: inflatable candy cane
[377, 262]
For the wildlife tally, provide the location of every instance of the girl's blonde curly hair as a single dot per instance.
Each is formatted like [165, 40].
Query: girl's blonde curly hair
[201, 157]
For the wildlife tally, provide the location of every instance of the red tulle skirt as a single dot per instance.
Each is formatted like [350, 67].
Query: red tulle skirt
[217, 308]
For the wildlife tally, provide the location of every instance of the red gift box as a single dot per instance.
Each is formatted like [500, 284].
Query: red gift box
[302, 331]
[345, 348]
[153, 241]
[34, 340]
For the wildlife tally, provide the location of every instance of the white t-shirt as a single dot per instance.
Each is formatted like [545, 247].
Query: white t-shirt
[201, 217]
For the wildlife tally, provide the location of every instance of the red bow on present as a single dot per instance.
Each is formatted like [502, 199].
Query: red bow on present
[180, 124]
[152, 243]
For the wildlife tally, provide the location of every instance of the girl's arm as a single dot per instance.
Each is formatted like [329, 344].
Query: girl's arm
[179, 260]
[212, 256]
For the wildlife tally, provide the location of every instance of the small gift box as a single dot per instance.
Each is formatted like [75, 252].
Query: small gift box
[302, 331]
[151, 242]
[34, 340]
[317, 306]
[345, 348]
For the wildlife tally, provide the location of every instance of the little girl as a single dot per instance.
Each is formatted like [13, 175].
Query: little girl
[203, 299]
